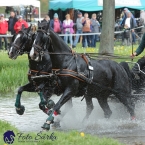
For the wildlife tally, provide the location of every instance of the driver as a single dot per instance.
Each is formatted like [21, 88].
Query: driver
[137, 52]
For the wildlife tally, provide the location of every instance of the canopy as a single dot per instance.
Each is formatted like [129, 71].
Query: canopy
[94, 5]
[35, 3]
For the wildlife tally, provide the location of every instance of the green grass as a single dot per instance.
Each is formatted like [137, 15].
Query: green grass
[63, 138]
[13, 73]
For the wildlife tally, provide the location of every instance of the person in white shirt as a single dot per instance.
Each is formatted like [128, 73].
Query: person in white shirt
[129, 24]
[68, 29]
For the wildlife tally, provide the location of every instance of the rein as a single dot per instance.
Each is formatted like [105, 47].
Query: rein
[15, 45]
[22, 45]
[35, 71]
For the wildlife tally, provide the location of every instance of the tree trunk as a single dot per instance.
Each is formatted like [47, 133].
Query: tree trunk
[107, 34]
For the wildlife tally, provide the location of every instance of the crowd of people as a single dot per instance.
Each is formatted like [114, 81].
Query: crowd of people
[23, 11]
[86, 25]
[82, 25]
[12, 26]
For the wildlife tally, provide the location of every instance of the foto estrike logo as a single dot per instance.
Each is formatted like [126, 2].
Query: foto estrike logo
[9, 137]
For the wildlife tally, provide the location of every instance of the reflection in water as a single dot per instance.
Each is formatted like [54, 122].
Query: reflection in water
[119, 126]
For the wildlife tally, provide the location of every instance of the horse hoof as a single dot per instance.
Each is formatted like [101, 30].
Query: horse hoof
[46, 126]
[20, 110]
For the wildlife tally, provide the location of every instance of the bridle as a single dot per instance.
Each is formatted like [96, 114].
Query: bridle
[40, 49]
[20, 48]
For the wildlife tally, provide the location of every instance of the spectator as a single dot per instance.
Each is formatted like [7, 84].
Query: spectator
[79, 27]
[56, 24]
[134, 21]
[3, 30]
[35, 12]
[129, 24]
[68, 29]
[126, 35]
[125, 16]
[11, 22]
[86, 29]
[19, 23]
[46, 19]
[95, 29]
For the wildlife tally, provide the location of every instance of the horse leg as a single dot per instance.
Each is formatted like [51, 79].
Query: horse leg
[104, 105]
[20, 108]
[64, 98]
[42, 98]
[128, 102]
[89, 108]
[68, 107]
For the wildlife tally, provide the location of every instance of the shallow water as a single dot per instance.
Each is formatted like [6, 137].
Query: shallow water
[119, 126]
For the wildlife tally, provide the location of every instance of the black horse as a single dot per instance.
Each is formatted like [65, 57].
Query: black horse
[39, 71]
[80, 75]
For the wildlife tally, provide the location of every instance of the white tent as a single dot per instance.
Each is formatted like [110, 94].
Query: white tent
[35, 3]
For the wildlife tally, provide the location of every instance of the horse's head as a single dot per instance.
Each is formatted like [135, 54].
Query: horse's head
[41, 42]
[19, 42]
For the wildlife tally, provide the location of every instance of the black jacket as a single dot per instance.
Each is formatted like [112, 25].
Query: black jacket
[44, 21]
[11, 23]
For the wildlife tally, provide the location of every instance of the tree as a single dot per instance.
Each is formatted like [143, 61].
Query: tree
[107, 34]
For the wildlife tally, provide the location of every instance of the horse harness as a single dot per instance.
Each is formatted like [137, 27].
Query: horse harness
[67, 72]
[20, 48]
[79, 75]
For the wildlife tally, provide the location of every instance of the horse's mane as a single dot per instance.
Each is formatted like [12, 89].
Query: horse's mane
[58, 41]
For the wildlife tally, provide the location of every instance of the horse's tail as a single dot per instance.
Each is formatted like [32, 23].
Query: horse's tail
[126, 68]
[137, 83]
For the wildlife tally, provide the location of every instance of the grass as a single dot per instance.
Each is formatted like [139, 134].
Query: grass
[62, 138]
[13, 73]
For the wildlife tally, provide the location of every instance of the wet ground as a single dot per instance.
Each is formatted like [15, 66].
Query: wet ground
[119, 126]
